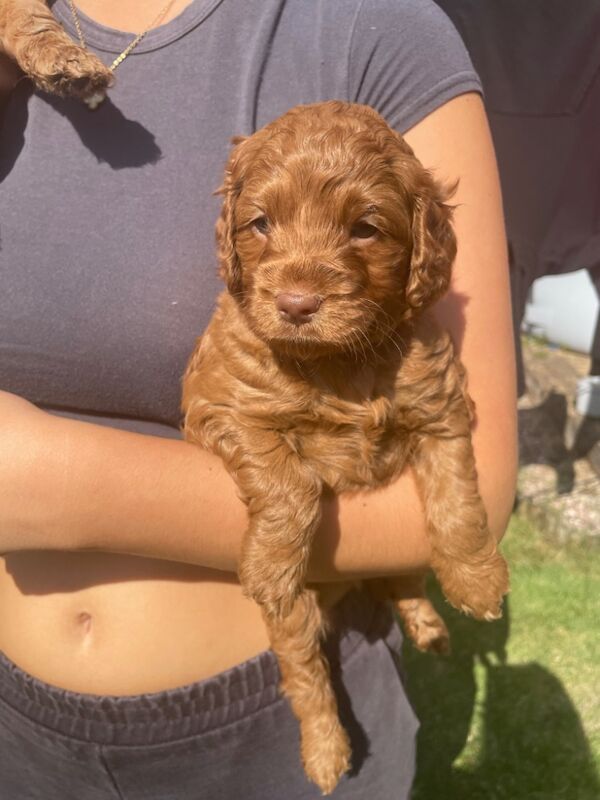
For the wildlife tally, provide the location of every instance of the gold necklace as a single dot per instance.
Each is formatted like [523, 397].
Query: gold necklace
[94, 100]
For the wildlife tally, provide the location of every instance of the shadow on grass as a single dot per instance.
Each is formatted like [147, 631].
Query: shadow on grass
[526, 735]
[543, 438]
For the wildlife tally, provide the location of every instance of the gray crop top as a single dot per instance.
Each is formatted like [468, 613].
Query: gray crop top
[107, 265]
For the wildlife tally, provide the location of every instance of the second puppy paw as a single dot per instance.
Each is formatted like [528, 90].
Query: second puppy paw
[57, 65]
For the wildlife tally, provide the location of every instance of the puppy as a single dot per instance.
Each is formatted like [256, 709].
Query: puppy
[320, 371]
[32, 38]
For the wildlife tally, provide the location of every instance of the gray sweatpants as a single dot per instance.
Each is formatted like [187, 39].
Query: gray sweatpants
[231, 737]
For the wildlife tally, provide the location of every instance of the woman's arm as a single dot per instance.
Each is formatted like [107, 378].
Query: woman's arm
[66, 484]
[71, 485]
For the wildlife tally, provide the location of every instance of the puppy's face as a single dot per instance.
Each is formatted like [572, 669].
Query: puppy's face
[331, 231]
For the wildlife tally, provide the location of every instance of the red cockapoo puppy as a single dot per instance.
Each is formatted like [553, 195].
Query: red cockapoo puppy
[320, 370]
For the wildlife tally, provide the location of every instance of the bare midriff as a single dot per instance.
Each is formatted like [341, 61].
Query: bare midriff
[117, 625]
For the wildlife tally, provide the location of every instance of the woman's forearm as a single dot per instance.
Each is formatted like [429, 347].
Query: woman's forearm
[73, 485]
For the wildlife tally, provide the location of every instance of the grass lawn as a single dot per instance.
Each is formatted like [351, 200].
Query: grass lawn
[514, 712]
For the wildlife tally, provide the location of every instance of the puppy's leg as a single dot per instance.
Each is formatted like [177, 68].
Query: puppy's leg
[421, 622]
[472, 574]
[34, 39]
[283, 498]
[284, 502]
[296, 641]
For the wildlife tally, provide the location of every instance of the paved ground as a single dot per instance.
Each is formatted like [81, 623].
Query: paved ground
[559, 476]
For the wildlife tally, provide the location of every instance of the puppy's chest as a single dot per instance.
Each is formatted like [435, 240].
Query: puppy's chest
[351, 444]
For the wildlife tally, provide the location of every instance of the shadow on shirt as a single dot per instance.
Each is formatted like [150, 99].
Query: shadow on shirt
[107, 133]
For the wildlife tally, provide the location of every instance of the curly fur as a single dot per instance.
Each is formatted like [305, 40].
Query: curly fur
[328, 201]
[31, 36]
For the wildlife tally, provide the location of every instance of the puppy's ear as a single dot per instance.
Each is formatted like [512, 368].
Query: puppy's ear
[433, 245]
[230, 267]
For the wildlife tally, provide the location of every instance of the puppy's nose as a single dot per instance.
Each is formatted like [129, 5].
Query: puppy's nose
[297, 308]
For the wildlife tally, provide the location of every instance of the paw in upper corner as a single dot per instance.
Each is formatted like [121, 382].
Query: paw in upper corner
[57, 65]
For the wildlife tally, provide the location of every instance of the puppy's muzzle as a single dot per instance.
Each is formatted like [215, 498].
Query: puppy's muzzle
[297, 308]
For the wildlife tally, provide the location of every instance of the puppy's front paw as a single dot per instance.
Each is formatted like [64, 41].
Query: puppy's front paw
[477, 587]
[57, 65]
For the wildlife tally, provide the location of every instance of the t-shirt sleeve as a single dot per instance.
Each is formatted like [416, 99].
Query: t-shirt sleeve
[406, 59]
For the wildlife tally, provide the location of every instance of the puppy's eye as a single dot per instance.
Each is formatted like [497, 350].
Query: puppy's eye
[362, 230]
[261, 225]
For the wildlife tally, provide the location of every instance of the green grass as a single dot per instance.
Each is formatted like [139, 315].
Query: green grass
[514, 712]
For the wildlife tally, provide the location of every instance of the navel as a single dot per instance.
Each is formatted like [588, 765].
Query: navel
[84, 622]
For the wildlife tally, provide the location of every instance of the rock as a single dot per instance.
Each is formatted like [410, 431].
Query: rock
[559, 451]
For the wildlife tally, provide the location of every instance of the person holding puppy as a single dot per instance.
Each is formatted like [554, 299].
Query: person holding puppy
[132, 665]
